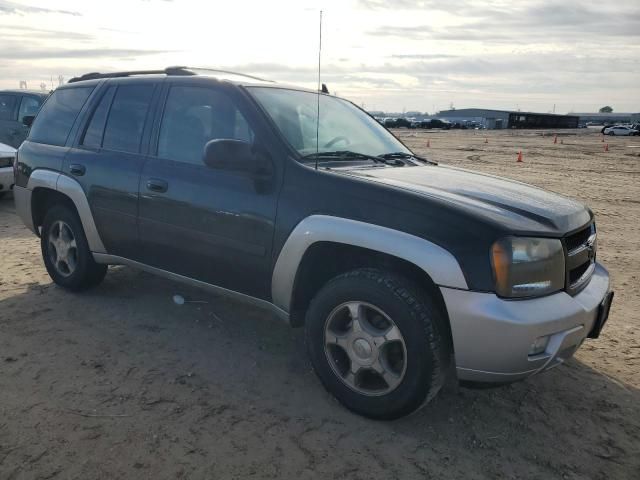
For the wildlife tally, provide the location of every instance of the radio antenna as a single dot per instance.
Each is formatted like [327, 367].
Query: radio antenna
[318, 94]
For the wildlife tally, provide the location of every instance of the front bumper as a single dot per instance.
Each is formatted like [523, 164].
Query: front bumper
[492, 336]
[6, 179]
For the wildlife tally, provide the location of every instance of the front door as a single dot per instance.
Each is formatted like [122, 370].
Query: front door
[212, 225]
[29, 106]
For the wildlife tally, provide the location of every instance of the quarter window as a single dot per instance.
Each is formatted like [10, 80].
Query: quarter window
[7, 106]
[54, 121]
[192, 117]
[127, 117]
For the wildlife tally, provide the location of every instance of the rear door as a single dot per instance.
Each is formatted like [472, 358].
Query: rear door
[8, 119]
[212, 225]
[108, 157]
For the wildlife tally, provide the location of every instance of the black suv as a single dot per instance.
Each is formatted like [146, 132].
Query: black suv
[17, 109]
[397, 267]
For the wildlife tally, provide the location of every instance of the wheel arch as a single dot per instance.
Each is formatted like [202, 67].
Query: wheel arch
[325, 260]
[321, 247]
[42, 199]
[48, 188]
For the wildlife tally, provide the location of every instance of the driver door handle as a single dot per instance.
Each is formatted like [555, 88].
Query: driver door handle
[77, 169]
[157, 185]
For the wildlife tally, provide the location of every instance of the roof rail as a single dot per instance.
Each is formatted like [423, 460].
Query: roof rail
[166, 71]
[252, 77]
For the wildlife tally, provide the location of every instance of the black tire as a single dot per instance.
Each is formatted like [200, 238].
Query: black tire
[86, 272]
[611, 133]
[420, 322]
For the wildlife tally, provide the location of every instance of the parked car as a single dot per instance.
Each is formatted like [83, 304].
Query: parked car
[620, 130]
[7, 156]
[14, 106]
[398, 268]
[436, 123]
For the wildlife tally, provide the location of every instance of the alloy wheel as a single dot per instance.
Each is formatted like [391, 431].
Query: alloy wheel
[62, 248]
[365, 348]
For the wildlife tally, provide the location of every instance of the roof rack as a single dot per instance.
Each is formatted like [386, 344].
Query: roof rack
[229, 72]
[165, 71]
[170, 71]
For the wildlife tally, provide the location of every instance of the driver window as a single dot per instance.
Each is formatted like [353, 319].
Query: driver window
[28, 106]
[192, 117]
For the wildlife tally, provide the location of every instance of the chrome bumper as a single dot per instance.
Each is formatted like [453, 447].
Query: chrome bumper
[492, 336]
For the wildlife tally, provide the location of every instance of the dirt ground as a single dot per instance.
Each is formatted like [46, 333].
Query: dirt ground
[120, 382]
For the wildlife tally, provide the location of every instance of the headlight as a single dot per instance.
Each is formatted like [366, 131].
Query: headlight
[527, 267]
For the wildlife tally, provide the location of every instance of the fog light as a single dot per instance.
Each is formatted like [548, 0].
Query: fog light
[539, 346]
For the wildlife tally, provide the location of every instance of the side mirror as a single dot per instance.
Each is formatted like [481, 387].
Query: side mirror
[228, 154]
[27, 120]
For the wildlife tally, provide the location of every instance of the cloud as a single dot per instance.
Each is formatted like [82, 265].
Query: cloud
[29, 33]
[421, 56]
[461, 7]
[517, 22]
[21, 53]
[12, 8]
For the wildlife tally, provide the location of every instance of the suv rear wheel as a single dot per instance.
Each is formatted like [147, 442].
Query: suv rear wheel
[66, 252]
[376, 343]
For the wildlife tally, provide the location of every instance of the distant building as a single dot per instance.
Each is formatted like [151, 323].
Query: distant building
[608, 118]
[496, 119]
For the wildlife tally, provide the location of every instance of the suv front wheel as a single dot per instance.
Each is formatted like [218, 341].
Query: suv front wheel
[376, 343]
[66, 253]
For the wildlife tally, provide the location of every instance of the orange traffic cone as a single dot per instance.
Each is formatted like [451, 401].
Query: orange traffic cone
[555, 138]
[428, 143]
[606, 147]
[486, 140]
[520, 156]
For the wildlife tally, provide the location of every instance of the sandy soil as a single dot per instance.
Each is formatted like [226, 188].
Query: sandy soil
[119, 382]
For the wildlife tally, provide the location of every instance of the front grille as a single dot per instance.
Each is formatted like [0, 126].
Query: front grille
[580, 248]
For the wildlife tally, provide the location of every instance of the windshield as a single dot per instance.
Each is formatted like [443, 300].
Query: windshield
[343, 126]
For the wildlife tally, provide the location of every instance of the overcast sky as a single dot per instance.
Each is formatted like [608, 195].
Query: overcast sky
[386, 54]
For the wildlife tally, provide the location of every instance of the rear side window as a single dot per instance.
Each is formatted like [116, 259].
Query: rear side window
[93, 134]
[54, 122]
[126, 118]
[7, 106]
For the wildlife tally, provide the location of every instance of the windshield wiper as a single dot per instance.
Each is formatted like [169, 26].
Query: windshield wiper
[345, 155]
[405, 155]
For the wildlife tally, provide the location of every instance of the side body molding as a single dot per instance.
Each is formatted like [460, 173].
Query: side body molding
[440, 264]
[73, 190]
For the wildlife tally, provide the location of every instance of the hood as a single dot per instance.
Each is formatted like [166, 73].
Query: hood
[7, 151]
[515, 206]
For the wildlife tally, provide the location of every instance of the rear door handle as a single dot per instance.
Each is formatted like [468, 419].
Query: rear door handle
[157, 185]
[77, 170]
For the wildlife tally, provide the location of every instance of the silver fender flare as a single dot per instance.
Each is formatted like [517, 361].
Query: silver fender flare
[437, 262]
[72, 189]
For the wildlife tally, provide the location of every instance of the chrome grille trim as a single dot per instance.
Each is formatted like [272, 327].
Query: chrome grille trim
[590, 242]
[580, 257]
